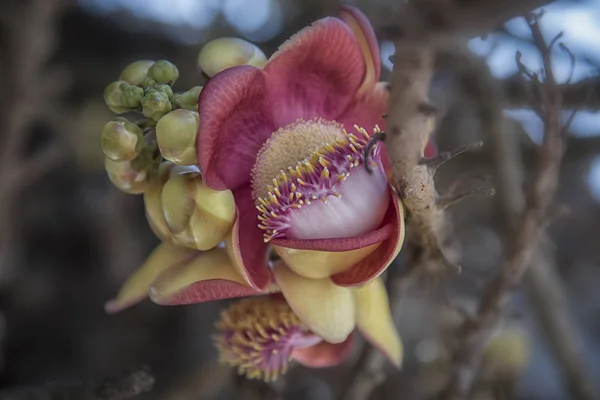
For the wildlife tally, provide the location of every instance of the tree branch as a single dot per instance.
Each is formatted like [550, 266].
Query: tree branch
[476, 332]
[127, 385]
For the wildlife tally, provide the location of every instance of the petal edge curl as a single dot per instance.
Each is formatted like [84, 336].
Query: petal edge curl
[377, 262]
[247, 249]
[324, 354]
[235, 120]
[363, 30]
[209, 276]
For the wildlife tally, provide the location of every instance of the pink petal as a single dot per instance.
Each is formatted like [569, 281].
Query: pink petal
[316, 73]
[375, 263]
[324, 354]
[249, 250]
[214, 289]
[363, 30]
[431, 149]
[366, 109]
[235, 121]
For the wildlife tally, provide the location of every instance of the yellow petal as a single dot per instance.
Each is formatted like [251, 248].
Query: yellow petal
[136, 287]
[178, 200]
[316, 264]
[153, 203]
[374, 319]
[208, 265]
[234, 255]
[214, 216]
[199, 217]
[328, 310]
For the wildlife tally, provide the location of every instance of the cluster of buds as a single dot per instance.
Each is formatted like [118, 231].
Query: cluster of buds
[158, 126]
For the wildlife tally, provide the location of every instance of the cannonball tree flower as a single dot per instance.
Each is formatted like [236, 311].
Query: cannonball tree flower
[287, 142]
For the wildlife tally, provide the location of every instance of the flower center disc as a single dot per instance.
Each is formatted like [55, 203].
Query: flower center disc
[258, 335]
[306, 164]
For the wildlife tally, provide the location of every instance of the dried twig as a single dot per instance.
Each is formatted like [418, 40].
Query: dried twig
[543, 285]
[475, 332]
[125, 386]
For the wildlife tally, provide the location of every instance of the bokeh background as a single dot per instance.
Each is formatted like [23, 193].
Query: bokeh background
[69, 239]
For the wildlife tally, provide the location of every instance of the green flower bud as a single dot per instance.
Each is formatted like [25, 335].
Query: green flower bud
[135, 72]
[164, 72]
[122, 140]
[187, 100]
[134, 176]
[133, 96]
[220, 54]
[148, 83]
[165, 89]
[155, 105]
[176, 136]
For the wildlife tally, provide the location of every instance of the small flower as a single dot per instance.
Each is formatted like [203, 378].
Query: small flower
[261, 335]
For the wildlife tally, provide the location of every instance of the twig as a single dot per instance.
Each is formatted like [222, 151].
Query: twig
[542, 284]
[476, 332]
[126, 386]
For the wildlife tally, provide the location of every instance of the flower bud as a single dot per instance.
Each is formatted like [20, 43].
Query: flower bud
[122, 140]
[155, 105]
[121, 97]
[182, 209]
[220, 54]
[164, 89]
[176, 136]
[135, 72]
[148, 83]
[133, 96]
[134, 176]
[187, 100]
[164, 72]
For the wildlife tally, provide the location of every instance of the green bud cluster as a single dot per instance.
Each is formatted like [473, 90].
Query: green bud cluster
[169, 120]
[145, 86]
